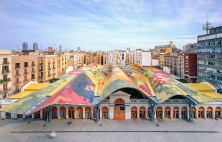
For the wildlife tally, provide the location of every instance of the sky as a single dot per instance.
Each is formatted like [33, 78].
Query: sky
[104, 24]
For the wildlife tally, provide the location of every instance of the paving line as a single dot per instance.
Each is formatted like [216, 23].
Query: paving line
[117, 132]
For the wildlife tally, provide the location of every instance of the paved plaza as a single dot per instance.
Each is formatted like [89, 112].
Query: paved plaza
[203, 130]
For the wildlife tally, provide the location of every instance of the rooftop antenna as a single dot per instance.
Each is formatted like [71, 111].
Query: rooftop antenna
[207, 26]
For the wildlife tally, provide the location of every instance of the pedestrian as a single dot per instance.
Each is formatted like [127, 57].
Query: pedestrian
[53, 134]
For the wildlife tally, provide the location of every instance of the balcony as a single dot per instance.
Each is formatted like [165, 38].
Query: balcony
[5, 72]
[49, 75]
[54, 73]
[33, 78]
[40, 77]
[49, 63]
[5, 63]
[40, 64]
[40, 69]
[54, 68]
[17, 67]
[49, 69]
[6, 90]
[25, 67]
[53, 62]
[26, 73]
[25, 80]
[33, 65]
[2, 81]
[33, 71]
[17, 83]
[17, 75]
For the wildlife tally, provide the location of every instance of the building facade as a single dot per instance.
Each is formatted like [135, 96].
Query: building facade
[24, 68]
[209, 57]
[6, 73]
[25, 46]
[35, 46]
[190, 66]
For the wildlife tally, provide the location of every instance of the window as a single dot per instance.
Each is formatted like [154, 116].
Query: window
[26, 64]
[186, 57]
[17, 65]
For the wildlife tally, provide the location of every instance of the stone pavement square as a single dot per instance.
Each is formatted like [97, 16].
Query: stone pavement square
[133, 130]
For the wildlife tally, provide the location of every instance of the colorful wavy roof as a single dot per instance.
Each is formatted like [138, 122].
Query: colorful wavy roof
[81, 86]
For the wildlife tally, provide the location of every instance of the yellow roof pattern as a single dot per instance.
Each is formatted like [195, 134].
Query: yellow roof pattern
[20, 95]
[36, 86]
[201, 87]
[213, 95]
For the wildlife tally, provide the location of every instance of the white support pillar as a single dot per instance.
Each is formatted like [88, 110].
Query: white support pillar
[188, 114]
[41, 116]
[33, 116]
[100, 111]
[205, 113]
[146, 113]
[179, 112]
[111, 112]
[75, 112]
[24, 116]
[213, 111]
[83, 108]
[15, 116]
[155, 114]
[92, 112]
[197, 113]
[58, 108]
[163, 113]
[67, 113]
[171, 113]
[138, 113]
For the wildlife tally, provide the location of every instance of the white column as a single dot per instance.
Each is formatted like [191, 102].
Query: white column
[111, 112]
[138, 112]
[58, 108]
[92, 112]
[33, 116]
[24, 116]
[171, 112]
[213, 111]
[154, 113]
[100, 111]
[75, 112]
[67, 116]
[197, 112]
[188, 114]
[127, 112]
[146, 112]
[205, 113]
[163, 113]
[83, 112]
[179, 112]
[15, 116]
[41, 116]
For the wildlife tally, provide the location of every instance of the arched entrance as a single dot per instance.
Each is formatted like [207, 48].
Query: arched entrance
[201, 112]
[79, 113]
[175, 112]
[159, 112]
[119, 109]
[184, 113]
[104, 112]
[167, 112]
[142, 112]
[54, 113]
[71, 112]
[88, 112]
[149, 113]
[134, 112]
[217, 112]
[20, 116]
[193, 111]
[7, 115]
[209, 112]
[62, 112]
[37, 114]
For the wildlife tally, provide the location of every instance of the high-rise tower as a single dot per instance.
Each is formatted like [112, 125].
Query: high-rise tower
[25, 46]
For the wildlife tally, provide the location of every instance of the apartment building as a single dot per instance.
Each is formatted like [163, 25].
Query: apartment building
[190, 48]
[104, 57]
[24, 68]
[190, 67]
[180, 66]
[160, 58]
[47, 67]
[116, 56]
[209, 57]
[140, 57]
[5, 76]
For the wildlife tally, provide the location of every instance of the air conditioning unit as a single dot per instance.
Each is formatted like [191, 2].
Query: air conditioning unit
[218, 51]
[210, 51]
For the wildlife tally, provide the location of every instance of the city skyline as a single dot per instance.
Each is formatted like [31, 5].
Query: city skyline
[104, 25]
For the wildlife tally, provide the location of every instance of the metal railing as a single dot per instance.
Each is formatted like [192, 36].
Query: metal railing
[5, 63]
[17, 75]
[17, 83]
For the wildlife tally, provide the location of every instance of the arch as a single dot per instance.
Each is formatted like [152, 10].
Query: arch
[54, 112]
[175, 112]
[37, 114]
[71, 112]
[62, 112]
[184, 112]
[142, 113]
[167, 112]
[193, 110]
[149, 113]
[200, 112]
[119, 101]
[105, 112]
[217, 112]
[87, 112]
[159, 112]
[209, 112]
[134, 112]
[79, 113]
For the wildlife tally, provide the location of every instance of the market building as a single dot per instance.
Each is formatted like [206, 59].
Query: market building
[119, 93]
